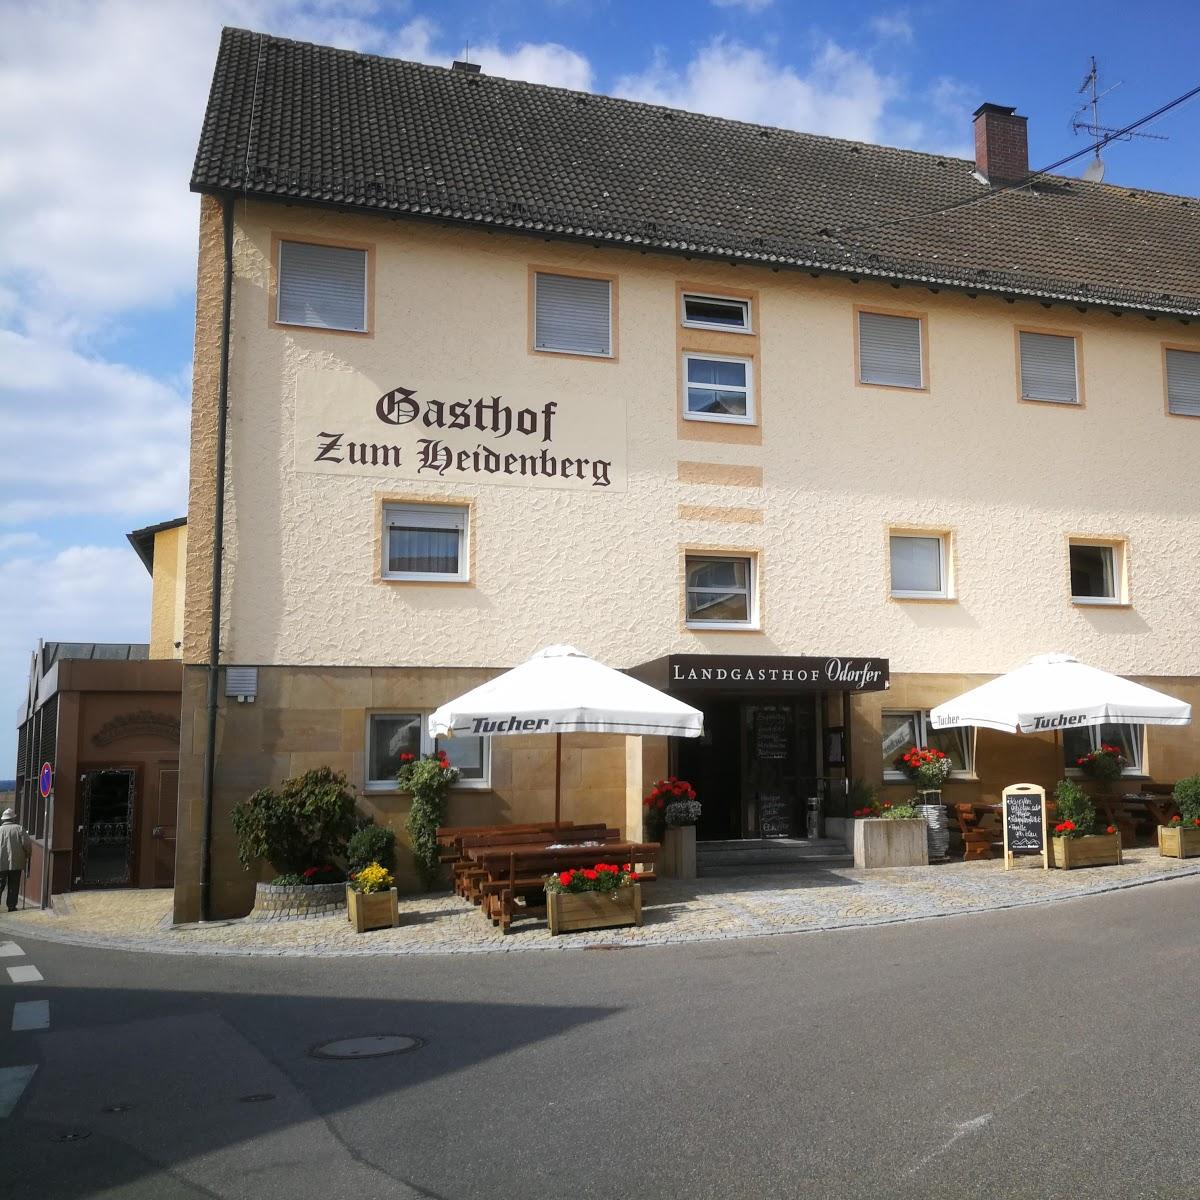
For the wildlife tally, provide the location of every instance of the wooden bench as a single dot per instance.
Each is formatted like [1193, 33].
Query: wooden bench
[449, 837]
[980, 828]
[518, 872]
[468, 872]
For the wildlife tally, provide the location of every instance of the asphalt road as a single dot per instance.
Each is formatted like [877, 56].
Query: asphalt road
[1045, 1052]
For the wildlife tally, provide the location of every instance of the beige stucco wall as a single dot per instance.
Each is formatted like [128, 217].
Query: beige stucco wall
[167, 592]
[840, 464]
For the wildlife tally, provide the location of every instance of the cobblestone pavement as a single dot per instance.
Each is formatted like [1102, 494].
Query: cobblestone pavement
[750, 905]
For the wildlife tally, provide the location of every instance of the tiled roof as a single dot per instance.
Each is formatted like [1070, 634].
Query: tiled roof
[292, 121]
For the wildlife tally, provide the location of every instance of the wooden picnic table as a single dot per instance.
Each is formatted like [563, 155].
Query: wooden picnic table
[515, 872]
[468, 873]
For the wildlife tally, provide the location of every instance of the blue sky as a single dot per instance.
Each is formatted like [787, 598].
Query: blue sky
[101, 102]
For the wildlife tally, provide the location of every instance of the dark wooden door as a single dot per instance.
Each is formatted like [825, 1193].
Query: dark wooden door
[163, 834]
[104, 837]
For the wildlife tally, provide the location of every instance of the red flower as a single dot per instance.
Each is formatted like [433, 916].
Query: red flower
[633, 876]
[1065, 827]
[406, 758]
[589, 874]
[1176, 820]
[1196, 820]
[1111, 829]
[627, 867]
[565, 878]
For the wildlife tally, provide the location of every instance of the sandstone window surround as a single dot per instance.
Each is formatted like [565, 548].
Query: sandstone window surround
[426, 543]
[891, 348]
[1181, 371]
[1098, 571]
[322, 286]
[727, 314]
[572, 314]
[721, 591]
[902, 728]
[391, 734]
[1049, 366]
[919, 564]
[718, 387]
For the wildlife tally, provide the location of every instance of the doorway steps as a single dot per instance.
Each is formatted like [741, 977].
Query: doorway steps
[729, 858]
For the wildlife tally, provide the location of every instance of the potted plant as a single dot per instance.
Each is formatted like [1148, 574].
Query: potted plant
[1104, 765]
[654, 807]
[428, 780]
[928, 770]
[371, 844]
[890, 835]
[678, 859]
[300, 827]
[593, 898]
[371, 899]
[1074, 843]
[1181, 838]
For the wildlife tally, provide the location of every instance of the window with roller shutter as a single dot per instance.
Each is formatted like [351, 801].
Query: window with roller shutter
[1183, 382]
[572, 315]
[890, 350]
[322, 287]
[1049, 367]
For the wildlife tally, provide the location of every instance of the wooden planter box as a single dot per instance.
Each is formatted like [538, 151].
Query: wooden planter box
[1095, 850]
[1179, 841]
[372, 910]
[678, 859]
[881, 842]
[568, 911]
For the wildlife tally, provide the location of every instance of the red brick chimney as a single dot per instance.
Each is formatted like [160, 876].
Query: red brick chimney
[1001, 144]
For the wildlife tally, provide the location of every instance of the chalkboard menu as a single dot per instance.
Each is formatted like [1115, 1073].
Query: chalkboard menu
[774, 816]
[1024, 821]
[771, 733]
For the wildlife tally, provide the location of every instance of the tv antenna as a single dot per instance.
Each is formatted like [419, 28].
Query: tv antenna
[1094, 173]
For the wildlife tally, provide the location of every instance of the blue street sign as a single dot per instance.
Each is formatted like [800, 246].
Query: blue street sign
[46, 780]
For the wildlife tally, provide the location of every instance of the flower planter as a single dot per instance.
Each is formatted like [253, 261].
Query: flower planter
[568, 911]
[297, 902]
[678, 859]
[1179, 841]
[1095, 850]
[881, 842]
[372, 910]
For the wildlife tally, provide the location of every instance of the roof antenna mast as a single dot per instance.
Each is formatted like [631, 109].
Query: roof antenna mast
[1101, 133]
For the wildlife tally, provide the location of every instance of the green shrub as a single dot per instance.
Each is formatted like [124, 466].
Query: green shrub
[898, 812]
[1187, 796]
[428, 781]
[304, 823]
[371, 844]
[1071, 803]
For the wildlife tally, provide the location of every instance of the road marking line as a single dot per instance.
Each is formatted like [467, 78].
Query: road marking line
[13, 1082]
[29, 974]
[11, 950]
[31, 1014]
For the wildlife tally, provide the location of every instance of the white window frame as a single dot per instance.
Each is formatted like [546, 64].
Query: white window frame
[1135, 770]
[751, 417]
[746, 327]
[751, 590]
[921, 723]
[1077, 401]
[428, 746]
[366, 260]
[1117, 550]
[608, 283]
[437, 516]
[943, 541]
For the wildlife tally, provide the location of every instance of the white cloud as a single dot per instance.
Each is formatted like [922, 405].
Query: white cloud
[751, 6]
[893, 27]
[80, 594]
[98, 437]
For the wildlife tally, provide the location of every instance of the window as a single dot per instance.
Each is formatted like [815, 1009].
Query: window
[572, 315]
[1083, 740]
[1048, 368]
[919, 566]
[716, 312]
[1096, 572]
[1183, 382]
[890, 351]
[720, 591]
[323, 287]
[912, 728]
[389, 735]
[717, 389]
[425, 543]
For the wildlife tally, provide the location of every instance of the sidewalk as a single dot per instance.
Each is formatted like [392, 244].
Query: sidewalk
[753, 905]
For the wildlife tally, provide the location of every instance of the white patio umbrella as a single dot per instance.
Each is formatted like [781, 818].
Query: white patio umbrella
[560, 690]
[1054, 692]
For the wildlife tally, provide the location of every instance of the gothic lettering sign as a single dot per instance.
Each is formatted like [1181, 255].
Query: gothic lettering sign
[763, 673]
[465, 431]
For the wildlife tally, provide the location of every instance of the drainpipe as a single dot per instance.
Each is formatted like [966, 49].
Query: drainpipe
[214, 637]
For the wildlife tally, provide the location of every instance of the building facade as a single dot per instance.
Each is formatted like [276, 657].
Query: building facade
[812, 476]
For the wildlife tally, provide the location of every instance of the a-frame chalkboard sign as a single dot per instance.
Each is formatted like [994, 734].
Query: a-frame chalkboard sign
[1024, 807]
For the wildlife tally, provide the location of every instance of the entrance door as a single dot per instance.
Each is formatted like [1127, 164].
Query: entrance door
[165, 817]
[104, 839]
[769, 770]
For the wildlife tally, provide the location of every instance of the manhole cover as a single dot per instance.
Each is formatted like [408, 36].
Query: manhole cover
[73, 1135]
[116, 1108]
[256, 1097]
[374, 1045]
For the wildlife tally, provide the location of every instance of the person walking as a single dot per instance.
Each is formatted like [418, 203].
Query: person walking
[14, 854]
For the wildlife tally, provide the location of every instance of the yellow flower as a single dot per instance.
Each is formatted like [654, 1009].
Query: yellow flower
[373, 878]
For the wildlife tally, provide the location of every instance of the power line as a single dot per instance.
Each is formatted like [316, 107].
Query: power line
[1011, 187]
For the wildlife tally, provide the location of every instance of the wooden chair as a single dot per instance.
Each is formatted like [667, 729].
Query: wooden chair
[981, 831]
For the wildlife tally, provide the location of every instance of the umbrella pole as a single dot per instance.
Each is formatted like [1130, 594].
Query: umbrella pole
[557, 779]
